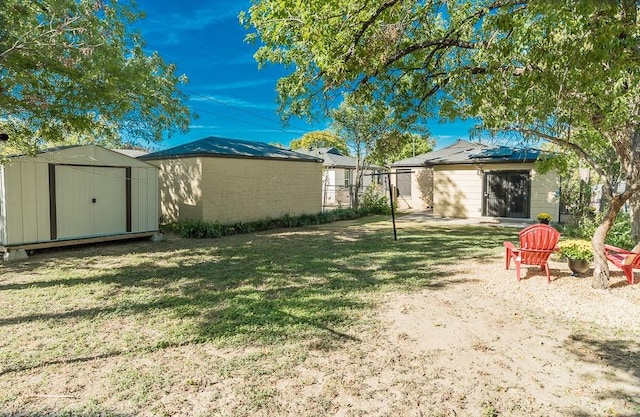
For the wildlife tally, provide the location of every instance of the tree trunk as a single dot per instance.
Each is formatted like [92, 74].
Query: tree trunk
[601, 266]
[634, 176]
[357, 182]
[634, 204]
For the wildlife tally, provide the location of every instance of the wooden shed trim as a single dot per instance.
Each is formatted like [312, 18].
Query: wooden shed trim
[79, 241]
[53, 213]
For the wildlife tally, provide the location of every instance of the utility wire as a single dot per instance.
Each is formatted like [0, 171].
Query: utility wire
[209, 98]
[298, 130]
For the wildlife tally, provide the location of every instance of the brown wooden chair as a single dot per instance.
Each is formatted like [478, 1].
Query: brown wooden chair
[537, 243]
[627, 260]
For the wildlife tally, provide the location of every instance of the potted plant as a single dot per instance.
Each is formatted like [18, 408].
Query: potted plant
[544, 218]
[578, 253]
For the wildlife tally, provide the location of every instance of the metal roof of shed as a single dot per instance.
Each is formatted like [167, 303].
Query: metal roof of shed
[213, 146]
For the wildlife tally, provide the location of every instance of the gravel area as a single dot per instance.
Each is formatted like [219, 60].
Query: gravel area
[488, 345]
[569, 296]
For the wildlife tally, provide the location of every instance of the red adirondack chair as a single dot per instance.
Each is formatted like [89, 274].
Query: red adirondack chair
[537, 243]
[624, 259]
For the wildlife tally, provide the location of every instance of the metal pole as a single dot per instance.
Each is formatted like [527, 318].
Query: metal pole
[393, 214]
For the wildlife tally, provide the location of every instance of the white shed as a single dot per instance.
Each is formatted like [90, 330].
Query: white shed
[75, 194]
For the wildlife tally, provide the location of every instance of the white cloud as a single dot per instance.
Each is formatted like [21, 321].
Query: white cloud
[203, 18]
[233, 102]
[241, 84]
[206, 127]
[446, 137]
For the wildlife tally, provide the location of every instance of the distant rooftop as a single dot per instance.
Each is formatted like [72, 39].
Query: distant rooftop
[333, 158]
[229, 148]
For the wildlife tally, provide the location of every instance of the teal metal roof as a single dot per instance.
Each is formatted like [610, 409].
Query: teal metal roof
[504, 153]
[464, 152]
[228, 148]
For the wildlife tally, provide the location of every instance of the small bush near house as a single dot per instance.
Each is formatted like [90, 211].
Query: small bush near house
[619, 235]
[201, 229]
[374, 199]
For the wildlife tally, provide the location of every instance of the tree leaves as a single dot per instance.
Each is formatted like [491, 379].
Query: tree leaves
[74, 67]
[320, 139]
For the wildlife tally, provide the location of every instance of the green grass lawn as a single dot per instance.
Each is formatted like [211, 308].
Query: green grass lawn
[268, 291]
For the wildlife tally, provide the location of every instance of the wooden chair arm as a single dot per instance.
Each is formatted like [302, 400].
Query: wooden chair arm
[611, 248]
[509, 245]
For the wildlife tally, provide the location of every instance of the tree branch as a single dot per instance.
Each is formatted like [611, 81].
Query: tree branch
[452, 38]
[564, 143]
[365, 26]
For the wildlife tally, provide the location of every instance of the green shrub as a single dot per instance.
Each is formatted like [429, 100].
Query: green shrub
[619, 235]
[543, 217]
[375, 201]
[201, 229]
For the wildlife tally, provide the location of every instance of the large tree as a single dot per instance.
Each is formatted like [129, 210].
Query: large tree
[564, 72]
[397, 144]
[361, 125]
[75, 67]
[320, 139]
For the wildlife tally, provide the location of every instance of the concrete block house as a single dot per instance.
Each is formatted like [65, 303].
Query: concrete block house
[230, 180]
[473, 180]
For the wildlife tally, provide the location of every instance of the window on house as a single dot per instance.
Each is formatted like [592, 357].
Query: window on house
[403, 178]
[347, 177]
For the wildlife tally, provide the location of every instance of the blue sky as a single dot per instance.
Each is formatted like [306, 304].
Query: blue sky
[233, 98]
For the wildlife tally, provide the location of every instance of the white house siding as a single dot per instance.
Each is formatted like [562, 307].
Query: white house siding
[329, 187]
[79, 171]
[545, 194]
[340, 175]
[421, 189]
[458, 189]
[342, 197]
[368, 178]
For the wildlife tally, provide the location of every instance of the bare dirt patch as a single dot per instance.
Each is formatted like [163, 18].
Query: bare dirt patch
[502, 347]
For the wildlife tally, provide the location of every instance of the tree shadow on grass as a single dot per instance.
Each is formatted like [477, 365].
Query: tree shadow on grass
[269, 288]
[620, 356]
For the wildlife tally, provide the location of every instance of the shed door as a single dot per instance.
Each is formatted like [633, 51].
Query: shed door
[506, 194]
[90, 201]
